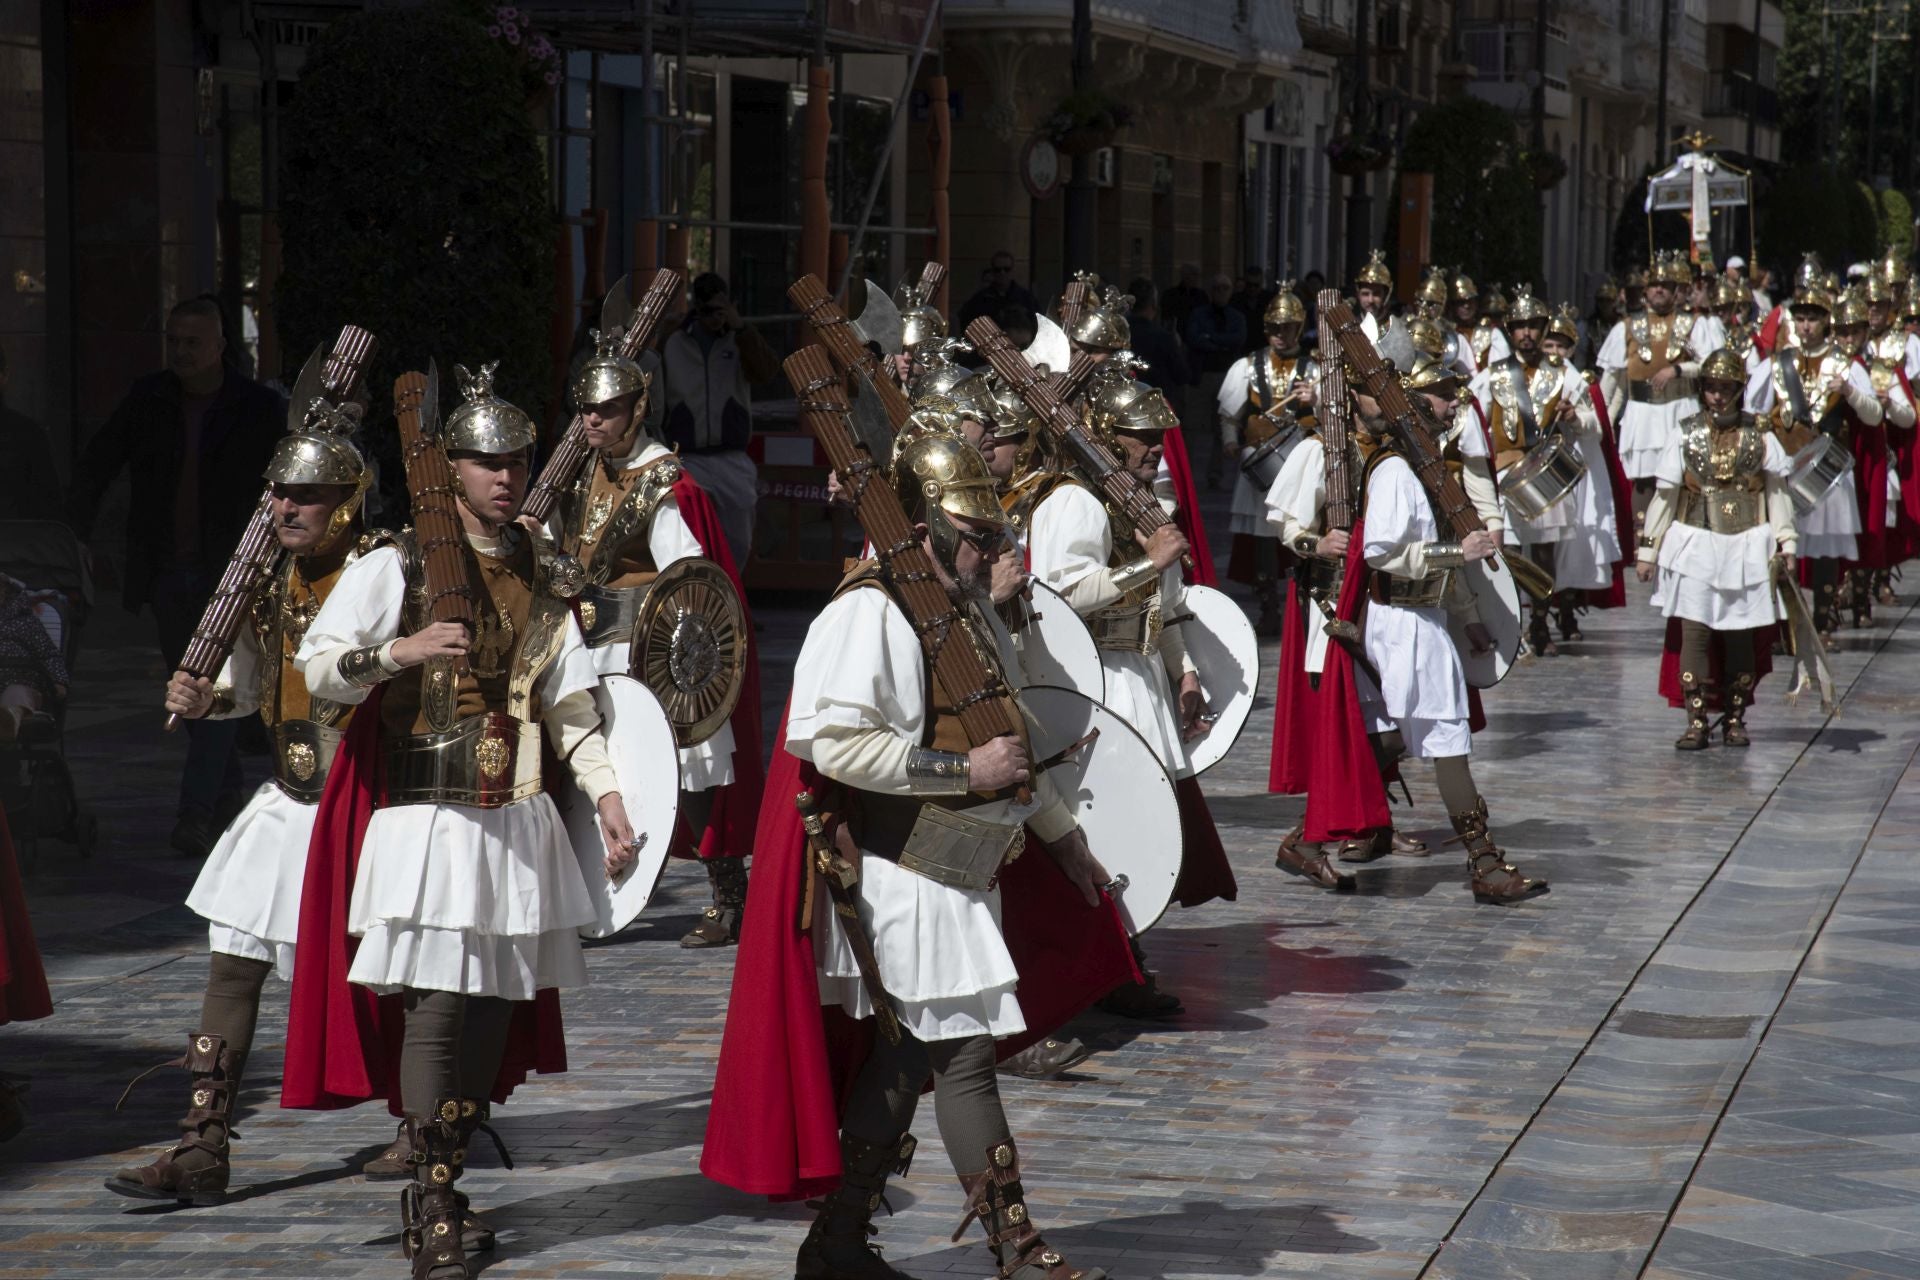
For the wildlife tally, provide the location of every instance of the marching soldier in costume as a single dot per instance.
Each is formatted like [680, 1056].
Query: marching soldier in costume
[1587, 559]
[631, 515]
[249, 889]
[1102, 330]
[1373, 294]
[1647, 366]
[1430, 299]
[1529, 395]
[1466, 329]
[931, 822]
[1414, 695]
[1633, 294]
[1719, 515]
[1893, 362]
[1261, 390]
[1599, 323]
[1490, 332]
[1732, 306]
[1805, 389]
[467, 896]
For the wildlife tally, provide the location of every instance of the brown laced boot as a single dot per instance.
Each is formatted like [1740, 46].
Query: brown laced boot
[1860, 589]
[1310, 862]
[997, 1199]
[837, 1246]
[1826, 613]
[1539, 639]
[391, 1164]
[720, 923]
[195, 1171]
[1883, 587]
[432, 1231]
[1569, 617]
[1493, 879]
[1739, 698]
[1383, 841]
[1698, 736]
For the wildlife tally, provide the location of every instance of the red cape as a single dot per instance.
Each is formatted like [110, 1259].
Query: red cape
[1205, 873]
[786, 1061]
[23, 983]
[1614, 596]
[343, 1041]
[1716, 651]
[736, 806]
[1293, 701]
[1187, 513]
[1870, 491]
[1345, 797]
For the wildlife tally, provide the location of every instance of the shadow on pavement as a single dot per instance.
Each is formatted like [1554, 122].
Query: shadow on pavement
[616, 1208]
[560, 1139]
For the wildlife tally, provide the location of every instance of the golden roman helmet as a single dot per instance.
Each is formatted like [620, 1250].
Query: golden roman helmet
[1104, 326]
[1608, 289]
[1493, 302]
[920, 320]
[1463, 287]
[1118, 401]
[1731, 293]
[938, 374]
[939, 475]
[1878, 288]
[608, 375]
[1285, 308]
[1891, 269]
[317, 450]
[1013, 417]
[1526, 307]
[1670, 267]
[1811, 294]
[1431, 374]
[1376, 271]
[1433, 287]
[1428, 339]
[933, 413]
[1723, 366]
[1912, 307]
[1810, 271]
[484, 423]
[1564, 322]
[1852, 308]
[1636, 279]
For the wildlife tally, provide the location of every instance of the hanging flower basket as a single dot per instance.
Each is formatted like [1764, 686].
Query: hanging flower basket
[1351, 156]
[1084, 122]
[1546, 168]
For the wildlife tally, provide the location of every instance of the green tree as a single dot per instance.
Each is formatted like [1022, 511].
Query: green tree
[1813, 208]
[1486, 211]
[1825, 74]
[1632, 229]
[414, 204]
[1896, 222]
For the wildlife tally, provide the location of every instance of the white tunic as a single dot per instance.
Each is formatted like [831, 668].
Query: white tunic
[1423, 688]
[1070, 545]
[705, 764]
[1560, 521]
[1645, 428]
[1832, 528]
[1583, 560]
[859, 706]
[1720, 579]
[1236, 392]
[248, 891]
[451, 897]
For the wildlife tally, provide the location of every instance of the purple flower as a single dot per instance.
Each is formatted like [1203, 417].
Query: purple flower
[553, 77]
[494, 31]
[513, 35]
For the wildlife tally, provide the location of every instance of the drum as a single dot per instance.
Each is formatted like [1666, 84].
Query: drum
[1118, 791]
[1055, 648]
[1262, 462]
[640, 743]
[1820, 465]
[1226, 651]
[1544, 478]
[1498, 597]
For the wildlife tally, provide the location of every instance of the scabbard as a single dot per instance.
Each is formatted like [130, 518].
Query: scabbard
[840, 876]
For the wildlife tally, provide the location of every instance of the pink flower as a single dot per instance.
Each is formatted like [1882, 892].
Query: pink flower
[494, 31]
[553, 77]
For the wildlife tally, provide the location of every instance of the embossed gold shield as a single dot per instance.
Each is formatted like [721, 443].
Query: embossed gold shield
[690, 647]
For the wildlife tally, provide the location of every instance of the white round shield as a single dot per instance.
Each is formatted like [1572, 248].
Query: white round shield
[1497, 596]
[1119, 792]
[1055, 648]
[1226, 651]
[647, 763]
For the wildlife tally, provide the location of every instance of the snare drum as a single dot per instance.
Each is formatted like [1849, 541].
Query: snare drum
[1261, 464]
[1544, 478]
[1823, 463]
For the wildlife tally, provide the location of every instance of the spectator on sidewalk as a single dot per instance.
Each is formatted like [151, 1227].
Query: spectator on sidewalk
[709, 366]
[999, 291]
[1217, 336]
[1251, 296]
[29, 486]
[1182, 299]
[195, 437]
[1155, 343]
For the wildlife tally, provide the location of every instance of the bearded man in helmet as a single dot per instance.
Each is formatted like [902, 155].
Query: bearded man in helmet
[249, 889]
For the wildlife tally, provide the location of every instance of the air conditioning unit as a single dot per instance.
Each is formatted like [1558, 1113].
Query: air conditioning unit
[1106, 167]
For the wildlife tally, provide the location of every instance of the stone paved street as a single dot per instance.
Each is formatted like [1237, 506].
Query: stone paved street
[1698, 1057]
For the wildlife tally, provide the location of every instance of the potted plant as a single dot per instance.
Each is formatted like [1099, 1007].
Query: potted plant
[1085, 121]
[1546, 168]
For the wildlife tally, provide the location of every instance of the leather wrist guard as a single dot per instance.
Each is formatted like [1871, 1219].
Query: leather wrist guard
[1134, 574]
[1445, 555]
[937, 773]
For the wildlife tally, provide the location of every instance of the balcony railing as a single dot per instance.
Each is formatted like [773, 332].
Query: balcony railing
[1733, 93]
[1503, 51]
